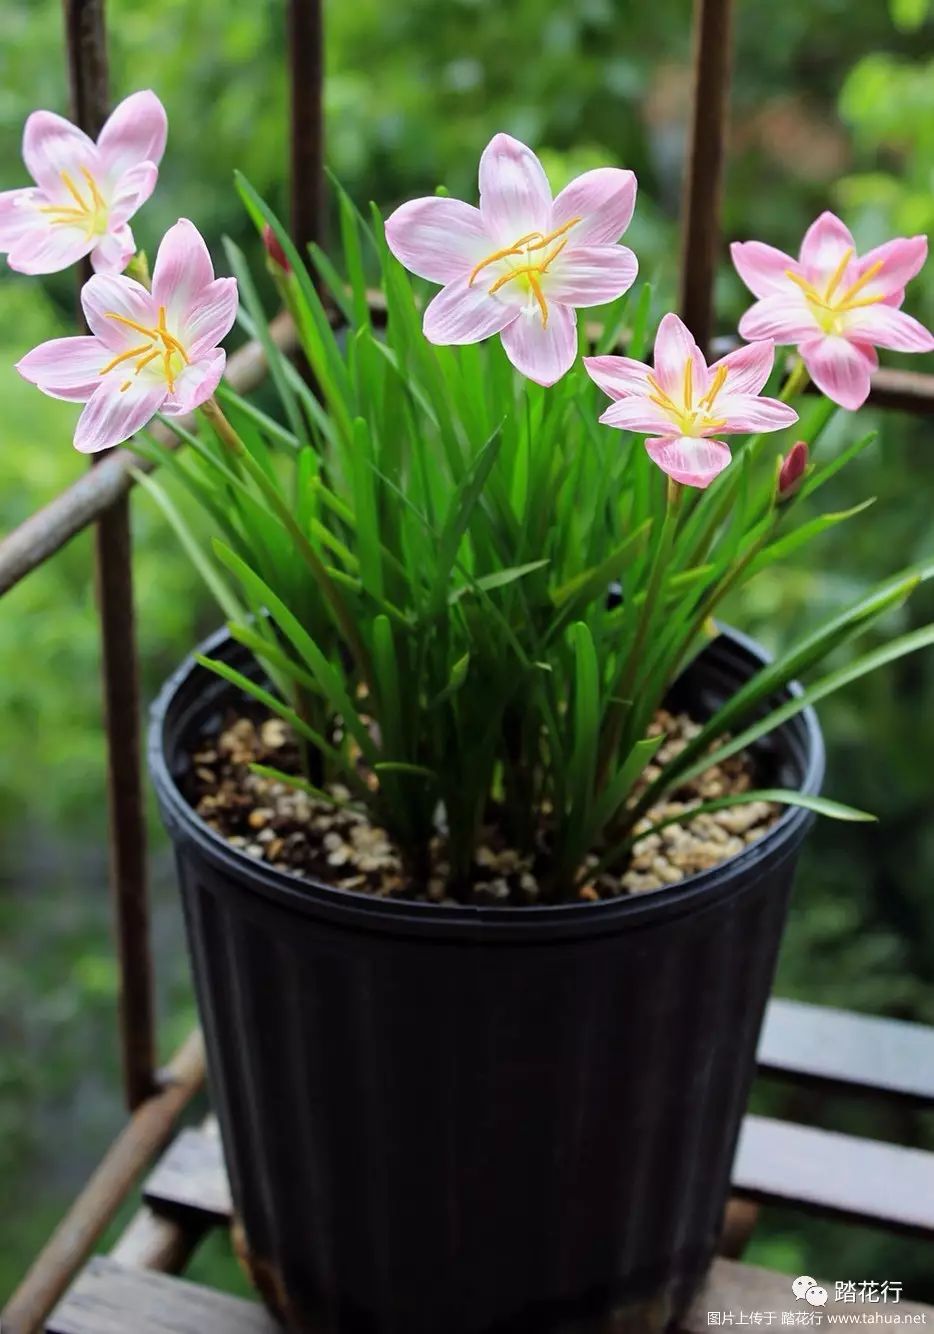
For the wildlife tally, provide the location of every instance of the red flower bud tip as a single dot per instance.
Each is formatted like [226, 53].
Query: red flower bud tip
[792, 470]
[274, 249]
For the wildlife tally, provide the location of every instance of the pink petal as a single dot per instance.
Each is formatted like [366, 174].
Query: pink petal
[590, 275]
[674, 344]
[110, 417]
[45, 248]
[747, 369]
[618, 376]
[462, 314]
[18, 215]
[182, 270]
[839, 370]
[748, 412]
[824, 244]
[901, 259]
[542, 352]
[211, 317]
[762, 268]
[109, 294]
[603, 199]
[113, 251]
[515, 197]
[135, 132]
[687, 460]
[869, 352]
[52, 145]
[783, 318]
[438, 239]
[635, 413]
[886, 327]
[66, 363]
[196, 384]
[131, 192]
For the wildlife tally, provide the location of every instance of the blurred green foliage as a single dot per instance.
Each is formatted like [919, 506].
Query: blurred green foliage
[833, 105]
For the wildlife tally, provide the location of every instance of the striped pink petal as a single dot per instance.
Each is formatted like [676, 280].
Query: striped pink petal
[515, 197]
[603, 200]
[438, 239]
[688, 460]
[542, 352]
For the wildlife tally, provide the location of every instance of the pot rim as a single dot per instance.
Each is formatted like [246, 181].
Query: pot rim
[465, 921]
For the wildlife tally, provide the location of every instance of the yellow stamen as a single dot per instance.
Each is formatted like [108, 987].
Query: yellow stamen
[96, 195]
[74, 192]
[168, 338]
[132, 324]
[860, 283]
[144, 361]
[662, 400]
[125, 386]
[553, 236]
[716, 385]
[160, 343]
[531, 241]
[838, 272]
[514, 249]
[124, 356]
[63, 210]
[554, 255]
[539, 297]
[805, 286]
[689, 384]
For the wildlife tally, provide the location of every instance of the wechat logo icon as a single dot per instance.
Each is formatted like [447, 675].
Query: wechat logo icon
[809, 1290]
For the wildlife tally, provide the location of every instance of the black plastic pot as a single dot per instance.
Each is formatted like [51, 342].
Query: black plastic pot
[453, 1120]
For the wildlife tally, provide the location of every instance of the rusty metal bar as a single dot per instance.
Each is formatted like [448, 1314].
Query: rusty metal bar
[75, 1237]
[306, 69]
[703, 171]
[85, 35]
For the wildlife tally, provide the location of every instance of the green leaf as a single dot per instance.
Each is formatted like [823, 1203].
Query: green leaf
[879, 657]
[835, 810]
[327, 677]
[500, 579]
[274, 704]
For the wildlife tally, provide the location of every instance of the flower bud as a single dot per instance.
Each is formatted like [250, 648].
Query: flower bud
[792, 470]
[274, 249]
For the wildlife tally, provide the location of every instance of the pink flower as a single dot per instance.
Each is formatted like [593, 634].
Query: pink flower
[85, 193]
[521, 262]
[683, 402]
[792, 470]
[834, 306]
[148, 352]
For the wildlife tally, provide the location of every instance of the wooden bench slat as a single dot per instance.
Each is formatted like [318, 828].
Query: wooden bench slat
[817, 1044]
[110, 1298]
[777, 1162]
[866, 1181]
[190, 1178]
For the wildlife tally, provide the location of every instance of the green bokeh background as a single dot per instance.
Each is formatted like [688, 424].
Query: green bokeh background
[833, 105]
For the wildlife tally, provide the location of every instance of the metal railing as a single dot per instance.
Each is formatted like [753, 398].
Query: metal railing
[155, 1097]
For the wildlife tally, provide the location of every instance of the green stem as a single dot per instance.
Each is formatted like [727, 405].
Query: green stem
[797, 382]
[326, 585]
